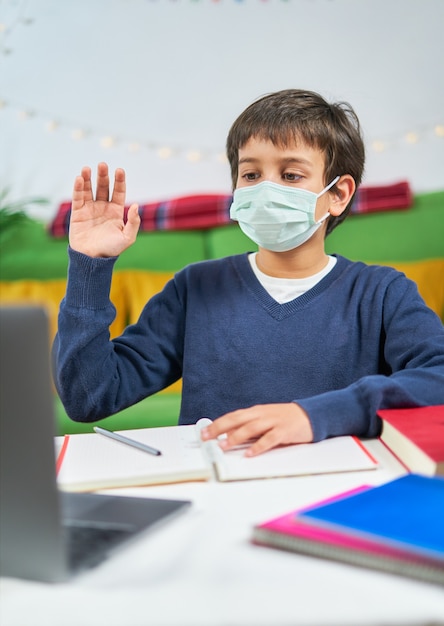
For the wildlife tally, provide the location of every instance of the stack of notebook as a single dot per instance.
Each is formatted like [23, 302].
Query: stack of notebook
[396, 527]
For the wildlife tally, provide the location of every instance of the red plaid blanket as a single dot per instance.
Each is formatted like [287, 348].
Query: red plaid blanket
[203, 211]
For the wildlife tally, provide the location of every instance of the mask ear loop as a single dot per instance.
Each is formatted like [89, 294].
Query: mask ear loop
[333, 182]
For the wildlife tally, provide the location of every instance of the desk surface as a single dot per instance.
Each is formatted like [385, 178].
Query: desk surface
[201, 570]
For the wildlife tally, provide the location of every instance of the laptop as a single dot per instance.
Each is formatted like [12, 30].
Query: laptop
[45, 534]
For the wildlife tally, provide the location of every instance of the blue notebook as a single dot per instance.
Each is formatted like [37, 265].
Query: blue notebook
[406, 513]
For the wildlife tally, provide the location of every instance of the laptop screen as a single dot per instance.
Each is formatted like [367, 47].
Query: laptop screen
[34, 516]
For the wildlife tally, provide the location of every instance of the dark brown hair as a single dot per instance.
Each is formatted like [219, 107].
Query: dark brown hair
[296, 115]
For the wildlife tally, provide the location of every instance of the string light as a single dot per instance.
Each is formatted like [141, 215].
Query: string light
[78, 134]
[165, 151]
[378, 146]
[107, 142]
[412, 137]
[194, 156]
[25, 115]
[51, 126]
[134, 146]
[23, 19]
[7, 29]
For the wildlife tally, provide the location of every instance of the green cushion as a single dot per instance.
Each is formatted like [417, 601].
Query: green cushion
[162, 409]
[164, 251]
[402, 235]
[28, 251]
[227, 240]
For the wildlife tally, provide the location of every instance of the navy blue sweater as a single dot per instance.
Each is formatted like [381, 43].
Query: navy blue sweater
[360, 340]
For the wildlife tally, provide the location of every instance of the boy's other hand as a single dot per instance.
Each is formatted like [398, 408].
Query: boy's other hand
[97, 226]
[268, 425]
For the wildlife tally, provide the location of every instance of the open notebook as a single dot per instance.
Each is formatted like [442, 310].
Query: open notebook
[90, 461]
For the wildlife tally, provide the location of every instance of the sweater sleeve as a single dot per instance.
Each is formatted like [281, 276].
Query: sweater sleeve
[412, 353]
[96, 377]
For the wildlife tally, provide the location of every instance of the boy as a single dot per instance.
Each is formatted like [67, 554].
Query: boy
[283, 346]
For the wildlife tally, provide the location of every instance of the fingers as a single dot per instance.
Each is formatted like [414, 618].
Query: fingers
[225, 424]
[268, 441]
[86, 174]
[131, 227]
[259, 435]
[262, 427]
[241, 427]
[102, 190]
[250, 425]
[78, 193]
[83, 187]
[119, 190]
[82, 191]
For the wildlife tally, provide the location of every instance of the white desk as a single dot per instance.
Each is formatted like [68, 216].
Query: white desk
[201, 570]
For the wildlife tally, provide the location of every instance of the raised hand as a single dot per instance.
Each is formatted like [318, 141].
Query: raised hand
[97, 227]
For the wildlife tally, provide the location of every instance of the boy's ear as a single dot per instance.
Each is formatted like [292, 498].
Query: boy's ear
[341, 194]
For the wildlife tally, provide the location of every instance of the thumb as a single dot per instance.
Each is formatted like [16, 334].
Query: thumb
[132, 223]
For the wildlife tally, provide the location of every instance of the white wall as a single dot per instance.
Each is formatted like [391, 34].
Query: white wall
[175, 74]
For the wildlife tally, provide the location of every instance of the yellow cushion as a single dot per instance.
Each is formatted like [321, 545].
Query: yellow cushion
[428, 274]
[130, 290]
[139, 286]
[35, 292]
[49, 293]
[429, 277]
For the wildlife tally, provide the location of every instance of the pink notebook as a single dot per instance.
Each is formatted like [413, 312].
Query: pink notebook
[289, 532]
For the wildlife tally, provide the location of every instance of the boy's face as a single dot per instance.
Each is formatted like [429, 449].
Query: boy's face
[296, 165]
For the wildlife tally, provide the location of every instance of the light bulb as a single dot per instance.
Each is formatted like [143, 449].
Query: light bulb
[78, 134]
[52, 125]
[378, 146]
[411, 137]
[194, 156]
[107, 142]
[165, 152]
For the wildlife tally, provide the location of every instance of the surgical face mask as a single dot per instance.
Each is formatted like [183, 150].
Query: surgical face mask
[277, 217]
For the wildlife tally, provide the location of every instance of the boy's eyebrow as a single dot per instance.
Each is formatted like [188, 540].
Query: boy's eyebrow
[248, 160]
[286, 160]
[298, 160]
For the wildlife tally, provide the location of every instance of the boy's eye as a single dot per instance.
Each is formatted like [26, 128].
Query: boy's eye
[291, 176]
[250, 176]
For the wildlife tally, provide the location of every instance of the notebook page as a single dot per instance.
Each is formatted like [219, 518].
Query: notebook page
[339, 454]
[92, 461]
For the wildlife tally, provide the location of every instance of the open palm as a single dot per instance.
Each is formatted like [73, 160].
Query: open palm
[97, 226]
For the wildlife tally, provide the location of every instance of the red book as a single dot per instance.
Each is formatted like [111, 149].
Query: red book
[416, 437]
